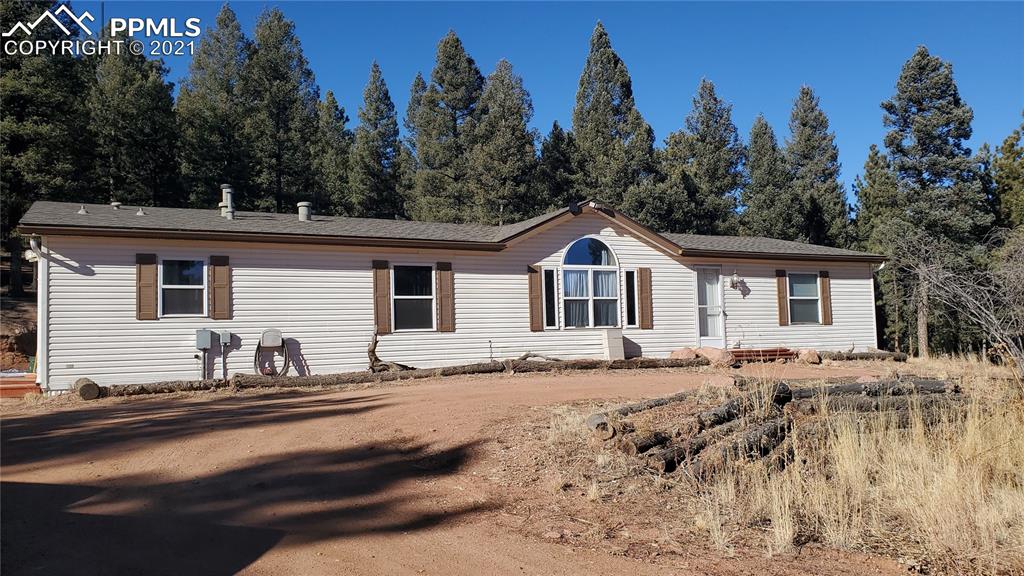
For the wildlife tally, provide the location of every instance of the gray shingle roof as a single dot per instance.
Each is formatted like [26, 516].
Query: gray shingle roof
[758, 245]
[50, 215]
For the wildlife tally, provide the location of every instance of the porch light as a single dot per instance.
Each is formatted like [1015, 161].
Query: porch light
[734, 280]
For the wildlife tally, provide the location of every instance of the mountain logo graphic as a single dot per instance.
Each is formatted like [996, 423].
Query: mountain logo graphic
[27, 29]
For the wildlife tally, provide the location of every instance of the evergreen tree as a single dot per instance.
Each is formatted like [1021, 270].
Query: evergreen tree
[615, 144]
[878, 200]
[940, 193]
[1008, 172]
[329, 153]
[281, 97]
[211, 114]
[814, 168]
[504, 156]
[710, 148]
[419, 87]
[45, 145]
[772, 207]
[555, 170]
[131, 117]
[373, 177]
[444, 135]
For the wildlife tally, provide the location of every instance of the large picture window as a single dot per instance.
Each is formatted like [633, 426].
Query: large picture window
[804, 305]
[182, 288]
[413, 299]
[590, 285]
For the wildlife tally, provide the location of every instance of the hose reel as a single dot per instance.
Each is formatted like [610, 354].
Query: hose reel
[271, 341]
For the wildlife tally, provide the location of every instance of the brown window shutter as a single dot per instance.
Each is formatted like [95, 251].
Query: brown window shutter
[645, 300]
[783, 294]
[445, 297]
[536, 299]
[146, 287]
[381, 297]
[220, 288]
[825, 285]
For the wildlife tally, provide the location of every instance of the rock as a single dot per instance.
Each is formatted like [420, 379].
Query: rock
[552, 535]
[717, 356]
[808, 356]
[684, 354]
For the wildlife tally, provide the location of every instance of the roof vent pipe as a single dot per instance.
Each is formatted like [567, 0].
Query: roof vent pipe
[229, 213]
[223, 208]
[115, 205]
[228, 199]
[304, 211]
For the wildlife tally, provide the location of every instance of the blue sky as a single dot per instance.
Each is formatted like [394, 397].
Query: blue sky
[757, 54]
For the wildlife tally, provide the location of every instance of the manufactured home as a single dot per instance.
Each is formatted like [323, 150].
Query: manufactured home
[141, 294]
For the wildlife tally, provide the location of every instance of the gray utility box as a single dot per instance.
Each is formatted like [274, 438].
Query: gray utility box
[225, 337]
[204, 339]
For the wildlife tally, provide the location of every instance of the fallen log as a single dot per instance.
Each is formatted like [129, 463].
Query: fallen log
[600, 423]
[834, 404]
[165, 387]
[634, 444]
[880, 388]
[378, 365]
[778, 395]
[755, 442]
[668, 458]
[845, 356]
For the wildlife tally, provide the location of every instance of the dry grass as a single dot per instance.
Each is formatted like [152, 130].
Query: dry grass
[949, 495]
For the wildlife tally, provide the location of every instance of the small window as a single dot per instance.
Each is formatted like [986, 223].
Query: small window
[631, 298]
[803, 299]
[182, 288]
[550, 300]
[414, 297]
[589, 252]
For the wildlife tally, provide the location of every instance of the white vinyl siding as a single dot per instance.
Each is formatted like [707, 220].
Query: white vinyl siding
[321, 298]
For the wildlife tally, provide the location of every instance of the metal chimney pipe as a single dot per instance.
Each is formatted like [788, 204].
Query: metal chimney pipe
[223, 208]
[229, 213]
[304, 208]
[228, 198]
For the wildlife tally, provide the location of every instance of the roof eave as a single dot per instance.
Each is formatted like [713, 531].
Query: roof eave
[872, 258]
[177, 234]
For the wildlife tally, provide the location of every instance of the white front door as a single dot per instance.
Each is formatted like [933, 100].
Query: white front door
[710, 317]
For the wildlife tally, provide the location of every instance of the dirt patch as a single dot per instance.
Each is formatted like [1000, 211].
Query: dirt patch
[446, 476]
[17, 332]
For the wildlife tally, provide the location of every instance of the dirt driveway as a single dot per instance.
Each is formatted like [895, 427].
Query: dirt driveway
[388, 480]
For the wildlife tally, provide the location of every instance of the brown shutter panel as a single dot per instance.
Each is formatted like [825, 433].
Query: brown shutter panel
[782, 291]
[645, 299]
[381, 297]
[825, 284]
[146, 287]
[536, 298]
[445, 297]
[220, 288]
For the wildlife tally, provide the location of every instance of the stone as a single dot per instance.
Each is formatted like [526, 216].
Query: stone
[717, 356]
[808, 356]
[684, 354]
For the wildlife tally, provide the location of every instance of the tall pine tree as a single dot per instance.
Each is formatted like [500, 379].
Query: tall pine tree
[772, 207]
[878, 199]
[938, 186]
[444, 135]
[281, 97]
[329, 150]
[710, 149]
[556, 169]
[503, 158]
[373, 176]
[131, 117]
[1008, 172]
[615, 145]
[211, 114]
[814, 168]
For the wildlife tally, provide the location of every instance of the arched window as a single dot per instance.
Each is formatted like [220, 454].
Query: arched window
[590, 285]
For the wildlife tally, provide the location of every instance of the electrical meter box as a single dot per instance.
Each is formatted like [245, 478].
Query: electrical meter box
[225, 337]
[271, 338]
[204, 339]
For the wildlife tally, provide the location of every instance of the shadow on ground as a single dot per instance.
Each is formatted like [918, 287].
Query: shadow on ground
[220, 522]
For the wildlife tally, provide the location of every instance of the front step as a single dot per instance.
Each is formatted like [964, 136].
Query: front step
[18, 386]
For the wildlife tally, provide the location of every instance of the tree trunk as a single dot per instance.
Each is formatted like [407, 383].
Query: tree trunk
[922, 317]
[17, 286]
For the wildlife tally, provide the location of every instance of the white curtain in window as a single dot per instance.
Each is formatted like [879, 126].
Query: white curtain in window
[576, 313]
[575, 284]
[605, 283]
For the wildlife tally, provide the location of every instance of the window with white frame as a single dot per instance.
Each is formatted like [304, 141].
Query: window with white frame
[182, 288]
[590, 285]
[804, 307]
[413, 297]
